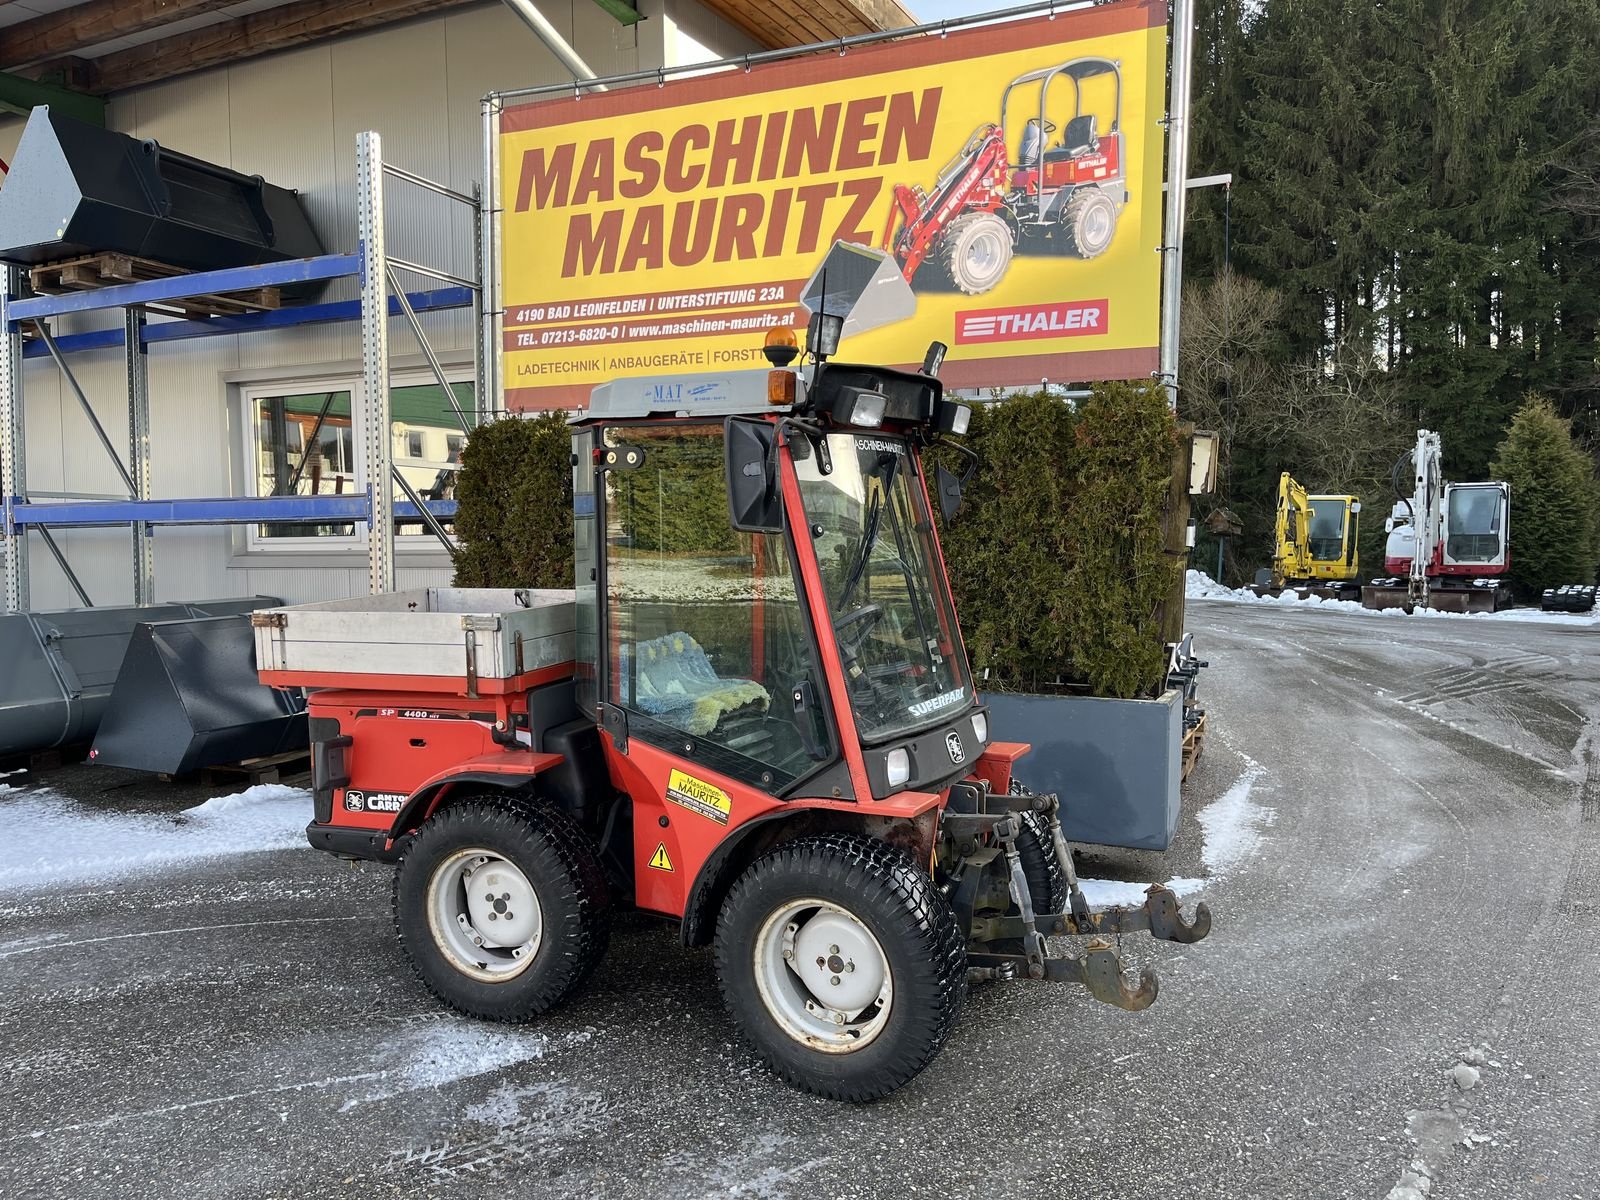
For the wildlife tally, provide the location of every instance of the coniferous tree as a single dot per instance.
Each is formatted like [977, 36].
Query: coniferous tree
[1555, 504]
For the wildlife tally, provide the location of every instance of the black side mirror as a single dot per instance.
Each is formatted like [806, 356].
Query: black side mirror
[754, 502]
[948, 485]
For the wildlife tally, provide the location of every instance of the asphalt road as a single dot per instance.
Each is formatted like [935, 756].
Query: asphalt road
[1399, 826]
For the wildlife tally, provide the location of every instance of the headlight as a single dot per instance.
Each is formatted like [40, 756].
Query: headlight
[867, 409]
[897, 765]
[980, 726]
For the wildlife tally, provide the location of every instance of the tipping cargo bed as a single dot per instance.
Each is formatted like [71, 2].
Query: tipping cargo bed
[460, 640]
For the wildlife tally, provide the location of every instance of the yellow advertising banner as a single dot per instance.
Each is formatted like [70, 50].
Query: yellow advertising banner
[1013, 170]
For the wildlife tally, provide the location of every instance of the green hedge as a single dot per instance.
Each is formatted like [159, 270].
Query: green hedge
[1057, 559]
[514, 495]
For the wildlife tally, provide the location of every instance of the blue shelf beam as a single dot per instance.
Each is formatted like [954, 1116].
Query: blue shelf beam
[184, 287]
[221, 510]
[278, 318]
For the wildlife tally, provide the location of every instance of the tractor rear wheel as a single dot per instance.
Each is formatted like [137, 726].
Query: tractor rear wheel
[975, 251]
[841, 964]
[1088, 222]
[501, 908]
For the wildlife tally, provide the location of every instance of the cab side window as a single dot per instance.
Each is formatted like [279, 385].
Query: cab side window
[707, 636]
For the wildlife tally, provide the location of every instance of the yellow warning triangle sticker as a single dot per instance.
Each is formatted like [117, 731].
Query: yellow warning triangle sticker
[659, 859]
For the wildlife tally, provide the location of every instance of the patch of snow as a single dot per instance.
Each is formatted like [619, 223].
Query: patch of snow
[446, 1052]
[52, 840]
[1465, 1077]
[1118, 893]
[1232, 823]
[1200, 586]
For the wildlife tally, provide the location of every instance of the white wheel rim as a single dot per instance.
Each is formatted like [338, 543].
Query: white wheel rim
[1097, 227]
[823, 976]
[985, 257]
[484, 915]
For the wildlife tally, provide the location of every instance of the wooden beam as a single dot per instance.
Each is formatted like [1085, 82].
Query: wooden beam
[775, 24]
[254, 35]
[71, 29]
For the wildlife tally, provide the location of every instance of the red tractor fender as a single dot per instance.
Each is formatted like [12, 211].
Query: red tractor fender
[506, 770]
[909, 819]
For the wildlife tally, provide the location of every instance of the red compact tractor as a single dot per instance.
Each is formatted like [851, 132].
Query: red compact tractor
[1061, 195]
[754, 717]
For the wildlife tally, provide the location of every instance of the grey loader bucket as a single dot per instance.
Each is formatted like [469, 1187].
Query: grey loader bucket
[57, 668]
[188, 697]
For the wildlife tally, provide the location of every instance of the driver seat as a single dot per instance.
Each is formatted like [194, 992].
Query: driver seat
[1080, 136]
[676, 683]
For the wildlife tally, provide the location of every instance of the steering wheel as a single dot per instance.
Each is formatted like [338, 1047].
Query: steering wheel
[860, 620]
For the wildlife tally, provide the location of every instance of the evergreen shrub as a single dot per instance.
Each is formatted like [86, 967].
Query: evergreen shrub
[1057, 558]
[1555, 501]
[514, 504]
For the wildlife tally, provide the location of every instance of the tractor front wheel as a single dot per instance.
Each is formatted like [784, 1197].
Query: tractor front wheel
[842, 964]
[975, 252]
[1089, 222]
[502, 908]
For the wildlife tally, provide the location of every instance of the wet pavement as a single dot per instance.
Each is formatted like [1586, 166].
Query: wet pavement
[1398, 826]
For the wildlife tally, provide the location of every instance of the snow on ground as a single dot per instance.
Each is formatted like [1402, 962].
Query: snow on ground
[1232, 823]
[1202, 587]
[50, 839]
[1109, 893]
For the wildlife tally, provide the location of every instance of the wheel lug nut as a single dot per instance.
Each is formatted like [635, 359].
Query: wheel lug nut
[835, 981]
[850, 966]
[833, 949]
[493, 917]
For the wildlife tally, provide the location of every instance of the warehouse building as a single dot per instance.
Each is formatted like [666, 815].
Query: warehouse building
[282, 90]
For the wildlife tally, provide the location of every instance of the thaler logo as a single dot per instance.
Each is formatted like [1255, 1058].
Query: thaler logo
[1075, 318]
[952, 743]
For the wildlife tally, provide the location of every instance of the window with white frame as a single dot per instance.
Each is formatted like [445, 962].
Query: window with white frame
[302, 442]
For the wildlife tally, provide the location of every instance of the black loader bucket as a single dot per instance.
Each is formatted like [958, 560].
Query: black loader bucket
[76, 190]
[188, 697]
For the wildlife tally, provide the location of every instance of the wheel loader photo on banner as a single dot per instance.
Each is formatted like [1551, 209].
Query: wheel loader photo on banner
[1027, 192]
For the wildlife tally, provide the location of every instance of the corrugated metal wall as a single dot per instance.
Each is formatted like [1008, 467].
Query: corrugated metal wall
[293, 118]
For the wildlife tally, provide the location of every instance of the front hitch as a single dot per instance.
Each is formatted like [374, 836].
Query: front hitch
[1100, 968]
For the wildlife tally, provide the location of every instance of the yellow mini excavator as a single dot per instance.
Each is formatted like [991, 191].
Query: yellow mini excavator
[1316, 546]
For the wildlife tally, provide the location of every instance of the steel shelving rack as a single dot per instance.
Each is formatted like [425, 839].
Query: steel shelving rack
[381, 297]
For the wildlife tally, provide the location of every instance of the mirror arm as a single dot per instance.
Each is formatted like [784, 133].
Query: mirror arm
[972, 458]
[814, 436]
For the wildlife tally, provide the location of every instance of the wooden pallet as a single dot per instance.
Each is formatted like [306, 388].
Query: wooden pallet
[290, 767]
[1194, 741]
[109, 270]
[32, 762]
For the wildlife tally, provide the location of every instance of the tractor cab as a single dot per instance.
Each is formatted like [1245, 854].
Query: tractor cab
[1067, 178]
[760, 592]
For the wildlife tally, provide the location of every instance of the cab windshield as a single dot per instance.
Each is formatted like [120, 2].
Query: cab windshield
[887, 598]
[1473, 519]
[1326, 534]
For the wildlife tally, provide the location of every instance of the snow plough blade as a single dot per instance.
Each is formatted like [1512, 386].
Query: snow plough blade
[1383, 593]
[1469, 599]
[976, 813]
